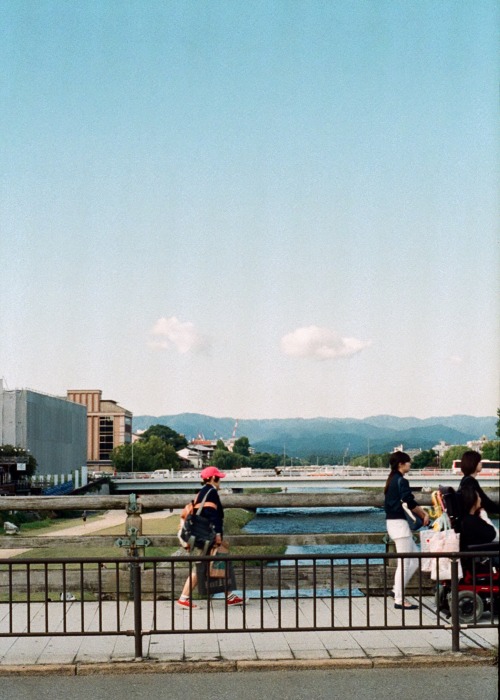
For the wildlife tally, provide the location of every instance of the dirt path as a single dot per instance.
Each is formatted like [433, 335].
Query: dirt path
[109, 519]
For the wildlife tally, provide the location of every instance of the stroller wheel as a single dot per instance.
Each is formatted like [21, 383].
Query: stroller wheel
[470, 607]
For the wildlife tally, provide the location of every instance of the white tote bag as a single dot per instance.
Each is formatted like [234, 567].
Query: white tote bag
[425, 546]
[445, 541]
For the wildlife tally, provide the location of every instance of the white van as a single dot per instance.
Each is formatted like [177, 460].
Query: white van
[161, 474]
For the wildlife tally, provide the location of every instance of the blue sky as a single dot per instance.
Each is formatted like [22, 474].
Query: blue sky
[257, 210]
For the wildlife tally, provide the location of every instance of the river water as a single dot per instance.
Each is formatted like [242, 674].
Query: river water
[298, 521]
[302, 521]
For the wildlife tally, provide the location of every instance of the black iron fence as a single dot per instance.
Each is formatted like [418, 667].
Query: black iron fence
[138, 596]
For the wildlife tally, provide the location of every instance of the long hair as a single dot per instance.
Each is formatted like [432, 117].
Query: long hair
[469, 497]
[395, 460]
[469, 462]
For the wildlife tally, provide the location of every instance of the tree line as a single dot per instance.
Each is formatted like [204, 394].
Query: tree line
[157, 448]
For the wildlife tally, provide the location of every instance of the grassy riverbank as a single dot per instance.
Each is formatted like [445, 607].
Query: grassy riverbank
[234, 522]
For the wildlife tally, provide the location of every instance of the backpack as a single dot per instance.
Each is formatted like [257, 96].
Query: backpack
[194, 529]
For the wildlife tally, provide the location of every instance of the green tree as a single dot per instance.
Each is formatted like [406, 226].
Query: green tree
[148, 455]
[426, 458]
[451, 454]
[242, 446]
[220, 445]
[224, 460]
[264, 460]
[374, 461]
[491, 450]
[166, 434]
[498, 423]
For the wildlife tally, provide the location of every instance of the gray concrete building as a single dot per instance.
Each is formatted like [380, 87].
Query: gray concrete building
[53, 429]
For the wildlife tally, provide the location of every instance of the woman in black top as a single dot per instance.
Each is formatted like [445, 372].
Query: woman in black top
[471, 466]
[397, 489]
[475, 530]
[213, 511]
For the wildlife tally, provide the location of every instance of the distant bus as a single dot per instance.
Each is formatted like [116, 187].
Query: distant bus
[491, 467]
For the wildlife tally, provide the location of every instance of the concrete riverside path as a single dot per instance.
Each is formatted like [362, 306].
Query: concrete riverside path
[238, 650]
[71, 655]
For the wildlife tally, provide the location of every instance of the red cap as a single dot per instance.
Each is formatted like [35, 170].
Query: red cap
[209, 472]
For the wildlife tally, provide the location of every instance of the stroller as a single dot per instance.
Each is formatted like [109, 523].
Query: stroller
[479, 587]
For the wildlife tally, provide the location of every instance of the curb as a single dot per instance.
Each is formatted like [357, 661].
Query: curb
[141, 667]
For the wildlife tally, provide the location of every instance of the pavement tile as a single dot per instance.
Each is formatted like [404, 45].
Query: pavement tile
[236, 646]
[311, 653]
[268, 641]
[405, 640]
[97, 649]
[276, 654]
[25, 650]
[338, 640]
[238, 654]
[201, 656]
[165, 646]
[374, 639]
[347, 653]
[380, 651]
[202, 644]
[486, 637]
[60, 650]
[418, 651]
[303, 640]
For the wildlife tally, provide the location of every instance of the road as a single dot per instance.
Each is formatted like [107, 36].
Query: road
[445, 683]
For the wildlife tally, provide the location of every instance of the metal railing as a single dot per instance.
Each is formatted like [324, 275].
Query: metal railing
[137, 596]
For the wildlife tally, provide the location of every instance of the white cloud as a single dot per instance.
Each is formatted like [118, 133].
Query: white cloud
[320, 344]
[170, 332]
[456, 359]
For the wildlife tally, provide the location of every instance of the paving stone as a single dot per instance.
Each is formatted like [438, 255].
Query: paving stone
[276, 654]
[380, 651]
[311, 653]
[338, 653]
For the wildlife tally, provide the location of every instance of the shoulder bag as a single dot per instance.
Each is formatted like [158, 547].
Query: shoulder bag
[414, 521]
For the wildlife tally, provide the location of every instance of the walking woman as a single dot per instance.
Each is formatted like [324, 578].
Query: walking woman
[213, 511]
[397, 489]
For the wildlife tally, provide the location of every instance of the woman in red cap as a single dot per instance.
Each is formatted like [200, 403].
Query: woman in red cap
[213, 511]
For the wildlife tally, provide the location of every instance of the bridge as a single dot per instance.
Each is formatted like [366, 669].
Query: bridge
[144, 483]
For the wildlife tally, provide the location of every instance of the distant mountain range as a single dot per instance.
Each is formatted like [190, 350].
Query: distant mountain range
[303, 437]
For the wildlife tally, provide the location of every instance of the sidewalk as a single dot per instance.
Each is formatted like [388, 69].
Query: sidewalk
[238, 650]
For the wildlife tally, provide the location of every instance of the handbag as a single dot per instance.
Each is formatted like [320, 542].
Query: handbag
[217, 567]
[425, 546]
[216, 576]
[446, 540]
[414, 521]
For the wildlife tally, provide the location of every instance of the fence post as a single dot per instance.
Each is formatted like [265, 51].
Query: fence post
[137, 610]
[455, 622]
